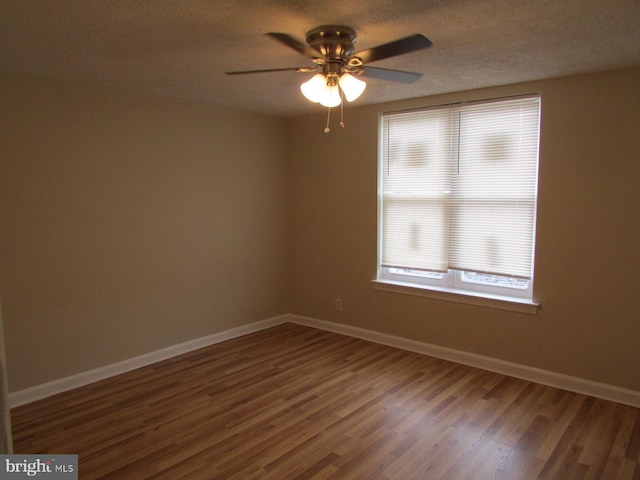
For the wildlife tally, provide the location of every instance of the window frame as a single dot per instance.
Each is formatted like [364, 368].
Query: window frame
[451, 286]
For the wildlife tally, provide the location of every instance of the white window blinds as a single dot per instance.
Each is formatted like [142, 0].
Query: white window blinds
[458, 187]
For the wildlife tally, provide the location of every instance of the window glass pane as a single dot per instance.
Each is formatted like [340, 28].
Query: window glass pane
[494, 188]
[492, 235]
[494, 280]
[416, 154]
[417, 273]
[415, 231]
[415, 188]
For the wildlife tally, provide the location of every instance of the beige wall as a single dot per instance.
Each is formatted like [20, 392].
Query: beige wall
[130, 223]
[588, 236]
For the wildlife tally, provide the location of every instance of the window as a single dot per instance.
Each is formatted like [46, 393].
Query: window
[457, 198]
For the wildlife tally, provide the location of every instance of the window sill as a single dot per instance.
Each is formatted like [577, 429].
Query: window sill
[451, 295]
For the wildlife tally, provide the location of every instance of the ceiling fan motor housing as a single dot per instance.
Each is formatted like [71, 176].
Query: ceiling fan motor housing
[334, 42]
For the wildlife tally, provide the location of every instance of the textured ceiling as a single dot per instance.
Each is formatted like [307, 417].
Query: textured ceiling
[183, 47]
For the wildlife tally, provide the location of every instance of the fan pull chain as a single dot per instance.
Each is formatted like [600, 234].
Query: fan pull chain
[327, 129]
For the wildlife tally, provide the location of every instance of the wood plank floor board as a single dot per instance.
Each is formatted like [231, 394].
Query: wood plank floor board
[294, 402]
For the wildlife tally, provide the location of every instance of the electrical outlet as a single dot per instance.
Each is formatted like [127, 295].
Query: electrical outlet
[338, 304]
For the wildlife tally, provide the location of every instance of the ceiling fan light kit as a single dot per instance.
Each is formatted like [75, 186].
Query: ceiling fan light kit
[327, 90]
[330, 48]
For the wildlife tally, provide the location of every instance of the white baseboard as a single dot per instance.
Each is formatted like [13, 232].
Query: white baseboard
[44, 390]
[544, 377]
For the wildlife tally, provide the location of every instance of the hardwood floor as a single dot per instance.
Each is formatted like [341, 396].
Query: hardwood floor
[293, 402]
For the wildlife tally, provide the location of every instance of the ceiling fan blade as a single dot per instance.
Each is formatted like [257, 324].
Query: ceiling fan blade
[391, 49]
[388, 74]
[268, 70]
[291, 42]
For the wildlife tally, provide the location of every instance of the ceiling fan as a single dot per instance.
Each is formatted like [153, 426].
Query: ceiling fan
[331, 49]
